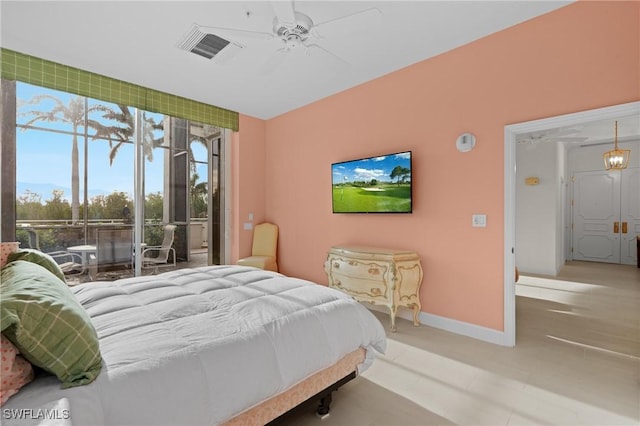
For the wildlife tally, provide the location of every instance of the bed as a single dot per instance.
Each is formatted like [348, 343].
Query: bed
[209, 346]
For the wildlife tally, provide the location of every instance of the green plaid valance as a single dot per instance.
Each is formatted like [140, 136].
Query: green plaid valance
[40, 72]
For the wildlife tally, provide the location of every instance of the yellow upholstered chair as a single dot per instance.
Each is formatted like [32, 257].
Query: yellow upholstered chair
[263, 252]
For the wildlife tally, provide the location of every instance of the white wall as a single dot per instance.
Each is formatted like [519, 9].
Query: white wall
[539, 220]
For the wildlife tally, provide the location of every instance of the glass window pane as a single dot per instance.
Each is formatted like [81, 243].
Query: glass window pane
[154, 176]
[110, 183]
[110, 121]
[44, 164]
[199, 190]
[49, 109]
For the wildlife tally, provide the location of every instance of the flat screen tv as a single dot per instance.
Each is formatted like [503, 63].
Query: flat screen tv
[380, 184]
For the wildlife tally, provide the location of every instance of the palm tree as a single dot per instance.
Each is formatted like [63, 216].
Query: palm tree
[73, 114]
[124, 131]
[401, 173]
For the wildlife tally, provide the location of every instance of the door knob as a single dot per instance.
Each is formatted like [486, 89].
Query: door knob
[616, 227]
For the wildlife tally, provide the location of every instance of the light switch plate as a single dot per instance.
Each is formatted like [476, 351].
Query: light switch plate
[479, 220]
[248, 226]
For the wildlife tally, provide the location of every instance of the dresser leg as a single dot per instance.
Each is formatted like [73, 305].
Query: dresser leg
[416, 313]
[392, 314]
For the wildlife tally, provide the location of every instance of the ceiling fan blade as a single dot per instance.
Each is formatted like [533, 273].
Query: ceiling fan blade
[571, 138]
[334, 60]
[274, 61]
[552, 139]
[234, 32]
[285, 12]
[563, 132]
[346, 25]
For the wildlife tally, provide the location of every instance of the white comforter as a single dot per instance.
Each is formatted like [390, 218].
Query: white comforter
[198, 346]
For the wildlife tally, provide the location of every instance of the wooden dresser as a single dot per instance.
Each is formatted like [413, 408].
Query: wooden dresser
[379, 276]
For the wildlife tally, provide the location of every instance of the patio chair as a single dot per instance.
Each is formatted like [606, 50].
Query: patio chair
[70, 263]
[162, 256]
[33, 240]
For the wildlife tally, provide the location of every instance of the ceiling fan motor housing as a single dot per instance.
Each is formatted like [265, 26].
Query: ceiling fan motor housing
[295, 35]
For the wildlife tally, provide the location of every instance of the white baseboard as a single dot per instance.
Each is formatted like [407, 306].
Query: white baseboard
[454, 326]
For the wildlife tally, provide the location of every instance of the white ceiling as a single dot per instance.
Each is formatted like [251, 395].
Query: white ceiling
[136, 42]
[596, 132]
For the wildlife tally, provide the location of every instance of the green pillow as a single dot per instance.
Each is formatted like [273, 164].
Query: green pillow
[40, 258]
[43, 318]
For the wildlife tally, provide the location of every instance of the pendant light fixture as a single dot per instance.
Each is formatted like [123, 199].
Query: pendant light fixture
[616, 159]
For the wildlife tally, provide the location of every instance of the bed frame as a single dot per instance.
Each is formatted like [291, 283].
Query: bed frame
[317, 386]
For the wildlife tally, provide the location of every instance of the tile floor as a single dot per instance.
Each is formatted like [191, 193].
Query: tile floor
[576, 362]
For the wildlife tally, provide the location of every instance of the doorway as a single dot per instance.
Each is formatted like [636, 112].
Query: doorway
[605, 215]
[208, 164]
[511, 134]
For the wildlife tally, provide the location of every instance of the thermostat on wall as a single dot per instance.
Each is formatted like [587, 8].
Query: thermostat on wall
[465, 142]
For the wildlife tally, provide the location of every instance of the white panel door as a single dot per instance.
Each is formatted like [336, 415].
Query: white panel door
[606, 216]
[629, 215]
[596, 209]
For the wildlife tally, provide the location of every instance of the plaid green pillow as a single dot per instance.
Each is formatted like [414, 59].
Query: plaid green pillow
[42, 317]
[40, 258]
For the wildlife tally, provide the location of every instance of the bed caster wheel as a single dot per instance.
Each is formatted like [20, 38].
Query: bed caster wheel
[323, 408]
[322, 416]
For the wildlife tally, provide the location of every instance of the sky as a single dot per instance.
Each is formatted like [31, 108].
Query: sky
[44, 157]
[365, 169]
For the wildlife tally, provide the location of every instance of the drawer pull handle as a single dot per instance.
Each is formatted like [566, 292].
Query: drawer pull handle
[336, 265]
[374, 271]
[375, 291]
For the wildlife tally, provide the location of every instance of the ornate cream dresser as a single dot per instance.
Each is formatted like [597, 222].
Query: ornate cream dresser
[379, 276]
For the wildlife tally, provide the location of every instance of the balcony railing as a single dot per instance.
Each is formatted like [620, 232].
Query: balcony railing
[52, 235]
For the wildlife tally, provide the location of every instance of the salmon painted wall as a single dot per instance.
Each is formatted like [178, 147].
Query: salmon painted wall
[248, 186]
[580, 57]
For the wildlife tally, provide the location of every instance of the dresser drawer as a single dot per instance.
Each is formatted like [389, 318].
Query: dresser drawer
[360, 288]
[359, 269]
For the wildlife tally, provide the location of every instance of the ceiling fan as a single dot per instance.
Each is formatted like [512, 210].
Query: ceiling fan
[551, 135]
[294, 31]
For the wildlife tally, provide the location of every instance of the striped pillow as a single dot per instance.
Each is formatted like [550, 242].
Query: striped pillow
[39, 258]
[42, 317]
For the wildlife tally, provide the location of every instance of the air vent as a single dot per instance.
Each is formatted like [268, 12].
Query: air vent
[209, 46]
[203, 44]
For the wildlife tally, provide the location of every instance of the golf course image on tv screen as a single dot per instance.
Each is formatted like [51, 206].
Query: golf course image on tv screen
[380, 184]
